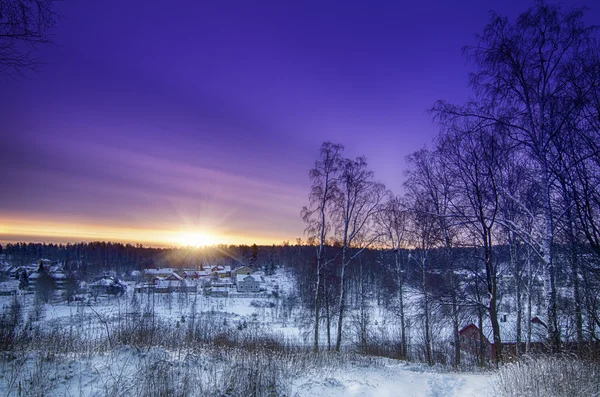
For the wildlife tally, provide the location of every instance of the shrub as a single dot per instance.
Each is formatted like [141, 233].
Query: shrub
[558, 376]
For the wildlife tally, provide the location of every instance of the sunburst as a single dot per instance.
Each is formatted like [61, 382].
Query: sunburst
[196, 239]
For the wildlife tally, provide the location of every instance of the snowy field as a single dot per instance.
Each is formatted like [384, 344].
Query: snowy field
[106, 359]
[129, 372]
[391, 378]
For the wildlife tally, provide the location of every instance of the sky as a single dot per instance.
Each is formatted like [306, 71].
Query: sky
[196, 122]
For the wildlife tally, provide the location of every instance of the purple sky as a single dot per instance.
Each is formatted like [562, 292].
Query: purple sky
[150, 121]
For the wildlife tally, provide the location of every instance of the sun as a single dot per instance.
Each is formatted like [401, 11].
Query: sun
[196, 239]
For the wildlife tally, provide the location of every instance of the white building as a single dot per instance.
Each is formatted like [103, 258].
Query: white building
[247, 283]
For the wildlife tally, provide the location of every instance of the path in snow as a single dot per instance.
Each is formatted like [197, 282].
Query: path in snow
[403, 379]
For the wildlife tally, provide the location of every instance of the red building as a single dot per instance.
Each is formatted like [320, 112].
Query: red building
[471, 338]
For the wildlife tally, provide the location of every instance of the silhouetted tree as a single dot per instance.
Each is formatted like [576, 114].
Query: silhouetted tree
[529, 83]
[356, 205]
[24, 25]
[323, 192]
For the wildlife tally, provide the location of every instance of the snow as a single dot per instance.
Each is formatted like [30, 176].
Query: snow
[363, 376]
[124, 370]
[393, 379]
[9, 286]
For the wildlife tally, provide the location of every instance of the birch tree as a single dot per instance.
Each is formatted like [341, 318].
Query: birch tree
[392, 220]
[424, 235]
[525, 82]
[323, 191]
[356, 204]
[429, 179]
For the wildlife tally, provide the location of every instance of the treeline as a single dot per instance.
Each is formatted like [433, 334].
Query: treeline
[96, 258]
[515, 170]
[93, 256]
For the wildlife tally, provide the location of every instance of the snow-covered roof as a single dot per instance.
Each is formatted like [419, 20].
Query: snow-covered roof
[5, 267]
[220, 268]
[58, 276]
[174, 277]
[243, 277]
[243, 267]
[9, 286]
[104, 282]
[165, 270]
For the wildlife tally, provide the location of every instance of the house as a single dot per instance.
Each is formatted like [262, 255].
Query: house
[5, 268]
[20, 272]
[152, 274]
[472, 339]
[45, 263]
[31, 274]
[247, 283]
[174, 277]
[223, 271]
[242, 270]
[195, 274]
[59, 277]
[190, 274]
[107, 286]
[219, 268]
[174, 283]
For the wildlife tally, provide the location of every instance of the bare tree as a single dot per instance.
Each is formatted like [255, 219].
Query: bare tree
[323, 191]
[424, 235]
[24, 25]
[393, 221]
[474, 151]
[355, 207]
[429, 178]
[513, 180]
[525, 82]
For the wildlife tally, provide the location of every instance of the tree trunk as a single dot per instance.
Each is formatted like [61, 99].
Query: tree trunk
[342, 302]
[428, 353]
[493, 294]
[317, 308]
[455, 326]
[517, 273]
[550, 271]
[328, 313]
[482, 347]
[529, 289]
[400, 280]
[575, 276]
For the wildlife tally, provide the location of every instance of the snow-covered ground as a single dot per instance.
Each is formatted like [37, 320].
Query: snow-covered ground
[128, 372]
[393, 378]
[125, 370]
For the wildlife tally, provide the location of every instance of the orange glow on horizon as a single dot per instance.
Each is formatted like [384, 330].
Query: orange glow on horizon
[197, 239]
[40, 231]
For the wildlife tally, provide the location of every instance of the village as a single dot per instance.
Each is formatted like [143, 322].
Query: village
[48, 278]
[205, 303]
